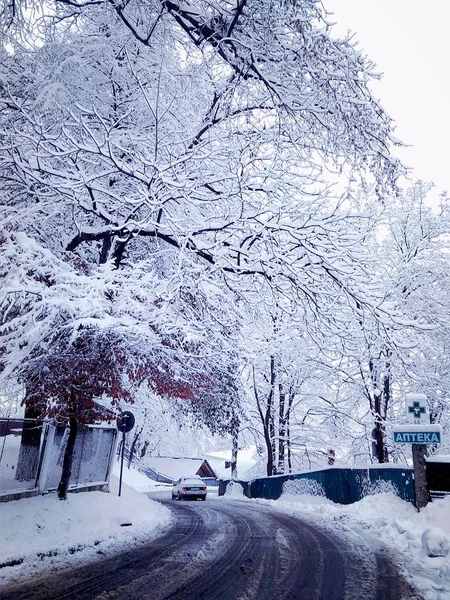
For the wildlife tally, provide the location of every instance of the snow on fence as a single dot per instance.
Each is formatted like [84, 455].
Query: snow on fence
[19, 461]
[340, 485]
[31, 457]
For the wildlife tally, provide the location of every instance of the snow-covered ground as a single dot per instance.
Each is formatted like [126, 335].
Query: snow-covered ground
[421, 541]
[43, 533]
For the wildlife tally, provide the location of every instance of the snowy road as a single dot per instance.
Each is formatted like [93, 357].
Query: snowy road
[231, 550]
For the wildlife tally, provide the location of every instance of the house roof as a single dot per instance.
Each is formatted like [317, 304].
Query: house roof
[247, 464]
[174, 468]
[218, 464]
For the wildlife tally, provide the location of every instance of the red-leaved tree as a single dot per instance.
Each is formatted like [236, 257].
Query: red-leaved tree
[69, 381]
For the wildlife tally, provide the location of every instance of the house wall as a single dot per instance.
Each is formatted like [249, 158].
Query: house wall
[438, 476]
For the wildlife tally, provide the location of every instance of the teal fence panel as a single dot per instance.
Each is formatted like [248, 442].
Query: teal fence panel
[401, 480]
[223, 484]
[343, 486]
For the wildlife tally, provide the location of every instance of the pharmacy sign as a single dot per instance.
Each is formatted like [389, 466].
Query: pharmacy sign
[416, 407]
[417, 434]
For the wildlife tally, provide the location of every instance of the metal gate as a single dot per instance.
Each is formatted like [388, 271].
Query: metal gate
[31, 457]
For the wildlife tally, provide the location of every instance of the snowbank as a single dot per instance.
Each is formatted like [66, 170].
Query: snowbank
[44, 533]
[420, 540]
[234, 490]
[137, 480]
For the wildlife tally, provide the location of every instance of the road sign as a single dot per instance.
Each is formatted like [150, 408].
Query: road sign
[416, 406]
[125, 422]
[417, 434]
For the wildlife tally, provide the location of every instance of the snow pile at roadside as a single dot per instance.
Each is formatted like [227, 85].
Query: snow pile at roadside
[421, 540]
[137, 480]
[45, 533]
[234, 490]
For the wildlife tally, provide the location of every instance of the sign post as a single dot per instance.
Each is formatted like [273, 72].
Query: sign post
[125, 423]
[420, 474]
[419, 436]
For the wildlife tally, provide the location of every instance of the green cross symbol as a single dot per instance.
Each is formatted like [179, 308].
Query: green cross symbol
[417, 410]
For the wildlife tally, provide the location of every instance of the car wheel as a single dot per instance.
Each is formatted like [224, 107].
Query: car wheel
[204, 498]
[178, 496]
[173, 496]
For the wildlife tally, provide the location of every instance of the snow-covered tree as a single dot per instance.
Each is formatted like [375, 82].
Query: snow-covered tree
[417, 248]
[410, 250]
[165, 140]
[173, 163]
[74, 347]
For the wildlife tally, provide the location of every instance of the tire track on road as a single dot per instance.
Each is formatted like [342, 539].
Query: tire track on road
[231, 550]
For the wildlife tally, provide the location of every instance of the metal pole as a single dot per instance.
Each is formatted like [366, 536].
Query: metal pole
[121, 463]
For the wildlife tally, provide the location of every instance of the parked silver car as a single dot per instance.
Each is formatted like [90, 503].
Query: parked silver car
[189, 488]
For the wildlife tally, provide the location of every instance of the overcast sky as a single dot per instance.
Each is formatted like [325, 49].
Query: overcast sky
[409, 40]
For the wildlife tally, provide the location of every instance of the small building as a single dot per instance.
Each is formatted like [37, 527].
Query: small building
[438, 475]
[168, 469]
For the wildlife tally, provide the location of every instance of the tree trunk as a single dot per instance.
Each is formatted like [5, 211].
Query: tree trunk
[281, 430]
[28, 461]
[68, 460]
[377, 410]
[268, 448]
[379, 437]
[288, 444]
[288, 429]
[234, 455]
[266, 417]
[106, 247]
[386, 397]
[144, 449]
[271, 418]
[133, 448]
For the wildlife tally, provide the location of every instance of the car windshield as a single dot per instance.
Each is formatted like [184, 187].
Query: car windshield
[192, 481]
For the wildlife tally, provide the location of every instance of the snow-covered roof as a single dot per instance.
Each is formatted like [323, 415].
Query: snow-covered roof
[438, 458]
[218, 464]
[173, 467]
[246, 463]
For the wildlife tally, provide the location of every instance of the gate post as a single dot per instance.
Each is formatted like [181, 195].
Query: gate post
[47, 446]
[112, 454]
